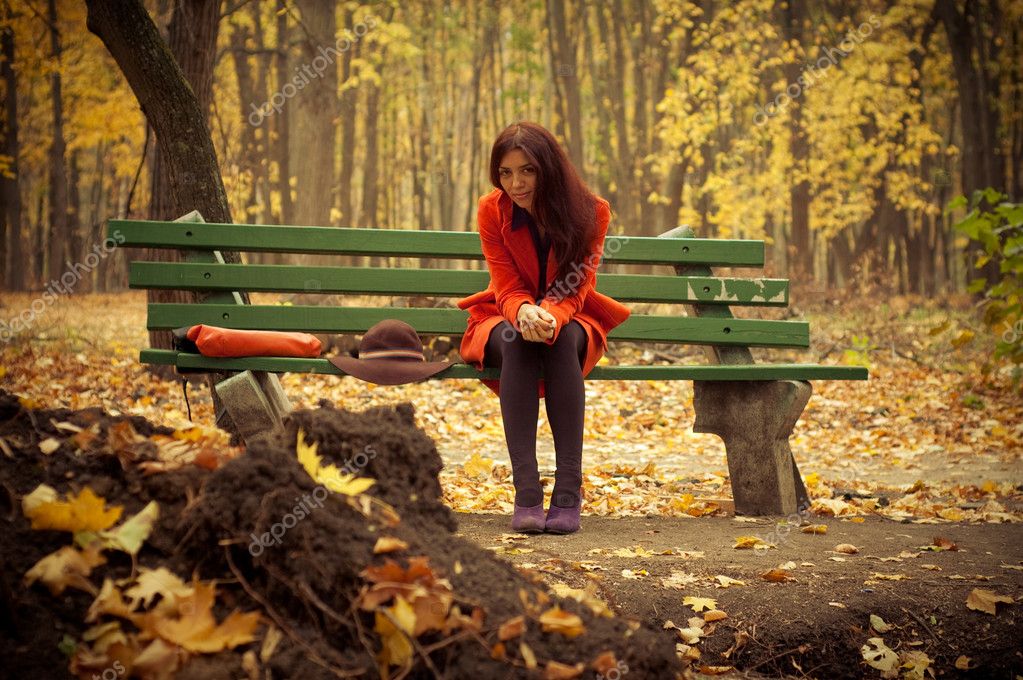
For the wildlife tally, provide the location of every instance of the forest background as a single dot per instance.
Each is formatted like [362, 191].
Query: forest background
[836, 133]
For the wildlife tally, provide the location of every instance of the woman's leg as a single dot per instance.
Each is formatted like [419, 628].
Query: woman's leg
[519, 361]
[565, 400]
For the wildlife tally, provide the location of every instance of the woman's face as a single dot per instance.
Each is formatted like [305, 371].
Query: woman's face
[518, 178]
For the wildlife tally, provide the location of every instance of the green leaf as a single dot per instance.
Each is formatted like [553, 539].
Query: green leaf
[977, 285]
[970, 225]
[1012, 213]
[956, 203]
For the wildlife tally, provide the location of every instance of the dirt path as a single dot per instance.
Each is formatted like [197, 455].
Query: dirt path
[814, 624]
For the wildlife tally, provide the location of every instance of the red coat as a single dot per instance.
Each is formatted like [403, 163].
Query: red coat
[512, 259]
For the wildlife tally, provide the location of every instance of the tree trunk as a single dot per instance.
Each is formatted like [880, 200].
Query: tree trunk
[12, 256]
[98, 197]
[599, 78]
[76, 239]
[58, 231]
[315, 101]
[248, 95]
[800, 255]
[38, 271]
[192, 33]
[282, 147]
[370, 183]
[982, 164]
[174, 110]
[260, 154]
[192, 40]
[566, 82]
[623, 195]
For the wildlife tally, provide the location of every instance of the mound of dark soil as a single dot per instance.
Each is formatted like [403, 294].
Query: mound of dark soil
[276, 542]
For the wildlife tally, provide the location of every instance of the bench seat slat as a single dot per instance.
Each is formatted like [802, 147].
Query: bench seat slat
[459, 370]
[447, 321]
[412, 242]
[441, 282]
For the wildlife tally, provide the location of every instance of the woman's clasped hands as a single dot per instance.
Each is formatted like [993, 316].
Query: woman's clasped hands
[536, 323]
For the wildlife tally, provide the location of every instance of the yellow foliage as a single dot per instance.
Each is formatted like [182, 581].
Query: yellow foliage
[84, 511]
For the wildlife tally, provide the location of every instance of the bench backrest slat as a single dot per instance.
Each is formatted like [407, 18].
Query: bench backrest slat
[412, 243]
[429, 321]
[440, 282]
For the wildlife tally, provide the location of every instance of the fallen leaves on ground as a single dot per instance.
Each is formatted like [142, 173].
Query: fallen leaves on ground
[986, 601]
[860, 445]
[557, 620]
[82, 511]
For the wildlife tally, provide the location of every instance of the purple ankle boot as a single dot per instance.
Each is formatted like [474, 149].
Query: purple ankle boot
[528, 519]
[562, 520]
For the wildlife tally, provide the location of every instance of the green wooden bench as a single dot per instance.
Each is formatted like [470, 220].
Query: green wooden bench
[752, 407]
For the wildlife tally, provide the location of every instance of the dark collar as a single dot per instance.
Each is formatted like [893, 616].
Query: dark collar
[520, 217]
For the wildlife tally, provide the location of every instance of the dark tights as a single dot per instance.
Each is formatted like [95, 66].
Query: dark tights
[520, 361]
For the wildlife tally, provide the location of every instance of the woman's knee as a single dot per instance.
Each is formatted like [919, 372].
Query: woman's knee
[571, 340]
[572, 336]
[505, 341]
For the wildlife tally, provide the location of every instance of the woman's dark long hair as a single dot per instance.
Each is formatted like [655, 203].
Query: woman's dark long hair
[562, 203]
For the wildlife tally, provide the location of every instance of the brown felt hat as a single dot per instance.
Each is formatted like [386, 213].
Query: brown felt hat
[390, 353]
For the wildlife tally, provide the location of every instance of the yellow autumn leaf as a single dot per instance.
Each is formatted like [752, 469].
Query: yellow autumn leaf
[104, 635]
[386, 544]
[395, 631]
[748, 542]
[328, 475]
[195, 628]
[41, 494]
[349, 485]
[84, 511]
[191, 434]
[158, 658]
[555, 670]
[528, 656]
[986, 601]
[586, 596]
[49, 445]
[64, 568]
[878, 655]
[152, 582]
[306, 454]
[478, 466]
[512, 628]
[109, 601]
[557, 620]
[700, 603]
[777, 575]
[815, 529]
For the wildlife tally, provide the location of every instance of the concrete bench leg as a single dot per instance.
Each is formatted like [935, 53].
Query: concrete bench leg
[755, 420]
[255, 401]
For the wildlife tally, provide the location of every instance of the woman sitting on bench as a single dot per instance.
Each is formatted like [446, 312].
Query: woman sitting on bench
[542, 232]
